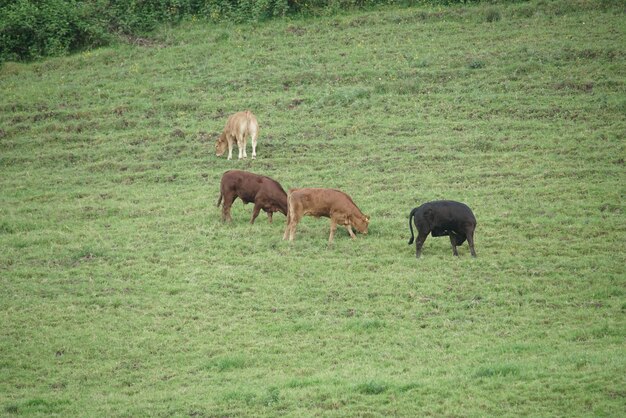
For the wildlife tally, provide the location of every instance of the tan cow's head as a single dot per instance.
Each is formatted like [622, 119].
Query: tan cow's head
[220, 145]
[361, 222]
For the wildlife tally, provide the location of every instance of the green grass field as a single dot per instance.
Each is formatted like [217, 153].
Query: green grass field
[123, 294]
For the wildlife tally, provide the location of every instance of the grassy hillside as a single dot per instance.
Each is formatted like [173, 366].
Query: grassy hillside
[122, 293]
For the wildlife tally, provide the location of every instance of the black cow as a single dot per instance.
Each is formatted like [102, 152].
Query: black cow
[440, 218]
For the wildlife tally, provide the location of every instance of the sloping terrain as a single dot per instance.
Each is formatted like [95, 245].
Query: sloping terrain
[124, 294]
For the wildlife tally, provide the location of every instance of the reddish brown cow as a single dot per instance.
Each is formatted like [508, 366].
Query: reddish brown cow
[266, 193]
[237, 128]
[330, 203]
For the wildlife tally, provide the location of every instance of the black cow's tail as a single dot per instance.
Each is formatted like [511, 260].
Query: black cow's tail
[411, 226]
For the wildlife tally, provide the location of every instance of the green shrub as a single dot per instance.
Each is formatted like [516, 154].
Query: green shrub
[30, 29]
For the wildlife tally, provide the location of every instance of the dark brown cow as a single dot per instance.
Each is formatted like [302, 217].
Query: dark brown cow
[266, 193]
[440, 218]
[330, 203]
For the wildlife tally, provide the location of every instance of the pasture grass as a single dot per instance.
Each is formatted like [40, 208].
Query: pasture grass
[123, 293]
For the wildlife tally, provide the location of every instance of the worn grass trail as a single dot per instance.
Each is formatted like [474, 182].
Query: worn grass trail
[123, 294]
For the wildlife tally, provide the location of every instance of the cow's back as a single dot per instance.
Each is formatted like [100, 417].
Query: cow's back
[248, 186]
[446, 214]
[243, 184]
[241, 122]
[321, 202]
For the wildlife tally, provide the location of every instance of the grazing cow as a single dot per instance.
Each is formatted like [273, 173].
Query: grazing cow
[237, 128]
[330, 203]
[440, 218]
[266, 193]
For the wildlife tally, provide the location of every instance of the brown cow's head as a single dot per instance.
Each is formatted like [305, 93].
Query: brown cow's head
[360, 222]
[220, 145]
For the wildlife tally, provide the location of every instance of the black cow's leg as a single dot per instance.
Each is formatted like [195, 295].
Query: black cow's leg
[255, 212]
[419, 242]
[470, 242]
[453, 243]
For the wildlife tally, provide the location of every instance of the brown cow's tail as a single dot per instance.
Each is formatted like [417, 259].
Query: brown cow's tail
[411, 226]
[289, 206]
[219, 201]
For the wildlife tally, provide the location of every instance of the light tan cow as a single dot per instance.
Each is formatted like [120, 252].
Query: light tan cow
[237, 128]
[330, 203]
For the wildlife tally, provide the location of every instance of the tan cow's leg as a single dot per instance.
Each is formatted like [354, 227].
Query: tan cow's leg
[240, 145]
[230, 148]
[349, 228]
[253, 138]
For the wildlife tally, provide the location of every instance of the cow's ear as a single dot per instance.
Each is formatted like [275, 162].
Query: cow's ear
[367, 219]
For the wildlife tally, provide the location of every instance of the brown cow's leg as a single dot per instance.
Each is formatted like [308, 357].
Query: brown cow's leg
[470, 242]
[349, 228]
[255, 212]
[453, 243]
[228, 202]
[269, 216]
[419, 242]
[333, 228]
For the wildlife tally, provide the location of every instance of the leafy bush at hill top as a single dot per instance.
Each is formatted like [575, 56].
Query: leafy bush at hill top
[31, 29]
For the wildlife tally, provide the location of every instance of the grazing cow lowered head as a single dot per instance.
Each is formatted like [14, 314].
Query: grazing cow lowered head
[266, 193]
[330, 203]
[238, 127]
[440, 218]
